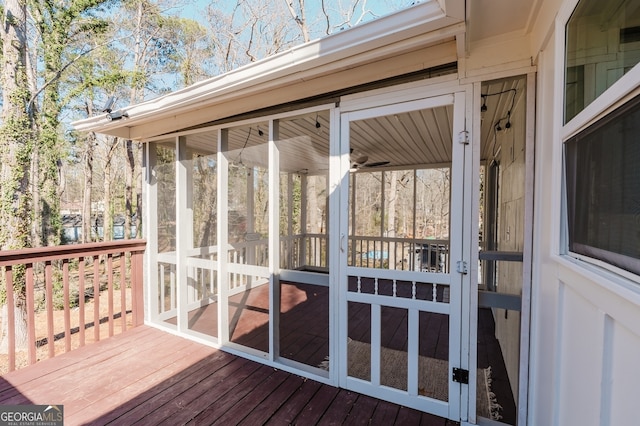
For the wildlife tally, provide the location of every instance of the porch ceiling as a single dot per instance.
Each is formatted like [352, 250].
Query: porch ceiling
[404, 140]
[409, 139]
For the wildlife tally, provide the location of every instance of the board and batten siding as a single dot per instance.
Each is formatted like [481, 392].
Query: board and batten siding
[585, 336]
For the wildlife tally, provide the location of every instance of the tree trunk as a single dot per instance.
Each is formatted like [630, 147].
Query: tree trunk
[88, 187]
[21, 331]
[15, 151]
[107, 214]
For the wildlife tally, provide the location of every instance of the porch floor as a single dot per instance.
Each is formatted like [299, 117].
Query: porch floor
[147, 376]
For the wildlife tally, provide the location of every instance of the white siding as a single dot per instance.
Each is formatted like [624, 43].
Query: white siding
[585, 337]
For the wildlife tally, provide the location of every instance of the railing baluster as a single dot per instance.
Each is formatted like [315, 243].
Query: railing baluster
[136, 287]
[110, 291]
[48, 280]
[31, 317]
[11, 326]
[81, 296]
[96, 298]
[67, 305]
[123, 292]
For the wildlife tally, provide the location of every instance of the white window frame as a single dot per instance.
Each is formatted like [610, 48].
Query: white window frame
[614, 97]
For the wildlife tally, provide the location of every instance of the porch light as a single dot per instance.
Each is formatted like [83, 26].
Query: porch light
[483, 108]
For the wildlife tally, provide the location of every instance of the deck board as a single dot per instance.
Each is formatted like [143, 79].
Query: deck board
[147, 376]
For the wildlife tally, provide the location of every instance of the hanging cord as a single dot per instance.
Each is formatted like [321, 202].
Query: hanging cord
[239, 157]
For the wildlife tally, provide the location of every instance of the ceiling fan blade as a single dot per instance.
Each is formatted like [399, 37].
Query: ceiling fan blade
[377, 164]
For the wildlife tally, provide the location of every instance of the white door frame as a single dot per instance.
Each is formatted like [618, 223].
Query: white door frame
[461, 242]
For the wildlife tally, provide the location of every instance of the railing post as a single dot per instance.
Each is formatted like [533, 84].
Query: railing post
[81, 295]
[11, 326]
[67, 308]
[48, 282]
[136, 284]
[31, 316]
[123, 291]
[96, 298]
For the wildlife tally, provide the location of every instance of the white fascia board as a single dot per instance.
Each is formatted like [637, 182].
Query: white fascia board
[337, 49]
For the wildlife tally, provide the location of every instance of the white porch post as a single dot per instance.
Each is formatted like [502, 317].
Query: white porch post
[182, 231]
[274, 241]
[223, 235]
[150, 229]
[303, 220]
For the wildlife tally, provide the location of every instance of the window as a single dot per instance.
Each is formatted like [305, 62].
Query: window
[602, 165]
[602, 44]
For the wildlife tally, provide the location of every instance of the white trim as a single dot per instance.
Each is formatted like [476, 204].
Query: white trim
[338, 170]
[222, 233]
[414, 91]
[239, 123]
[182, 238]
[472, 321]
[627, 87]
[150, 228]
[615, 96]
[274, 240]
[527, 261]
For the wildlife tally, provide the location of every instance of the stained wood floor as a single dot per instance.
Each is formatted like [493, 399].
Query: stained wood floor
[146, 376]
[304, 331]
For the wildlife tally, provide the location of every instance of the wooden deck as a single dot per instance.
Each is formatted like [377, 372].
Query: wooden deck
[304, 335]
[146, 376]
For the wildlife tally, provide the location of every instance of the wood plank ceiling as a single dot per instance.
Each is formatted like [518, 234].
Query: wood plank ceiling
[416, 138]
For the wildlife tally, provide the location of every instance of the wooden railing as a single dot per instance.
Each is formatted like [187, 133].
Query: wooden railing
[64, 291]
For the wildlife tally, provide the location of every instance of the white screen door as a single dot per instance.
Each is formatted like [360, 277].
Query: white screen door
[402, 261]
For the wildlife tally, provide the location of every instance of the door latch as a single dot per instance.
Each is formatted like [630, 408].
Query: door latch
[461, 267]
[460, 375]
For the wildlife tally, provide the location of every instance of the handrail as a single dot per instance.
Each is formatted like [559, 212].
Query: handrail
[41, 254]
[60, 274]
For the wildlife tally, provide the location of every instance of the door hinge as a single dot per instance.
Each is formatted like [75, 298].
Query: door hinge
[463, 137]
[460, 375]
[461, 267]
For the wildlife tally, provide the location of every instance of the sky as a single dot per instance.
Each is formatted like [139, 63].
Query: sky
[194, 8]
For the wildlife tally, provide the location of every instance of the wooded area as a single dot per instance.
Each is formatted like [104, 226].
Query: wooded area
[66, 60]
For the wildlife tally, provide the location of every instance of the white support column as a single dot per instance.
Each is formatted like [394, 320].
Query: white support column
[352, 203]
[274, 241]
[150, 229]
[460, 231]
[289, 239]
[223, 235]
[525, 313]
[182, 239]
[338, 236]
[303, 219]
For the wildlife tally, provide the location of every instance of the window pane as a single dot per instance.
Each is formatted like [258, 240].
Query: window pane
[603, 189]
[603, 43]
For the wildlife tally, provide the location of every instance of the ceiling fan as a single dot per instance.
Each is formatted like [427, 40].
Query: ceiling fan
[359, 160]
